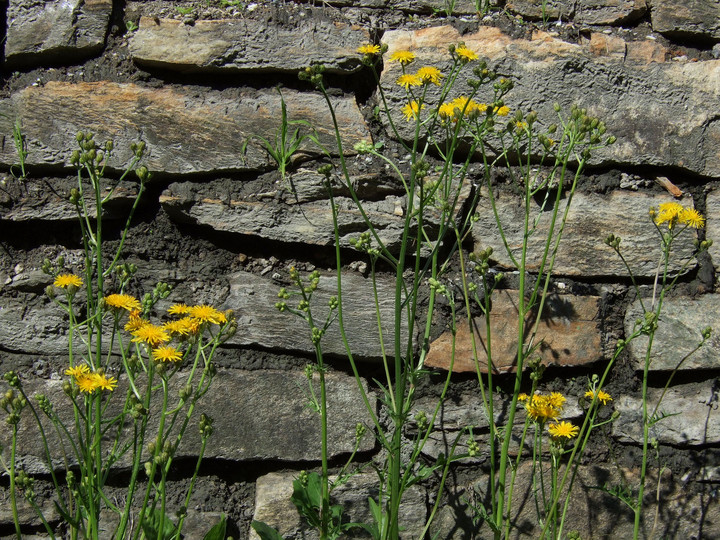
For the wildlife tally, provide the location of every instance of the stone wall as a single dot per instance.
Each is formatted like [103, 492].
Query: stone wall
[221, 227]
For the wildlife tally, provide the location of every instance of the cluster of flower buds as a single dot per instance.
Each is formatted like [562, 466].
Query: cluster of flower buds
[613, 241]
[206, 426]
[90, 152]
[13, 404]
[314, 74]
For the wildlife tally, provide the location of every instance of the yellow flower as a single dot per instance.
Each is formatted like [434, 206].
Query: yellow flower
[369, 48]
[150, 334]
[87, 383]
[123, 301]
[692, 218]
[522, 396]
[557, 400]
[77, 371]
[430, 74]
[167, 354]
[104, 382]
[541, 409]
[563, 429]
[205, 313]
[466, 54]
[63, 281]
[408, 79]
[502, 111]
[469, 106]
[404, 57]
[134, 321]
[179, 309]
[412, 109]
[446, 110]
[603, 397]
[181, 327]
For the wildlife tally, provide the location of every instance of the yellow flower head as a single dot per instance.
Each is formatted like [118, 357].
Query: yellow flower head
[692, 218]
[408, 79]
[134, 321]
[104, 382]
[429, 74]
[412, 109]
[150, 334]
[543, 408]
[557, 400]
[123, 301]
[502, 111]
[205, 313]
[669, 213]
[470, 107]
[87, 382]
[77, 371]
[63, 281]
[563, 430]
[404, 57]
[466, 54]
[167, 354]
[522, 396]
[179, 309]
[603, 397]
[369, 48]
[447, 110]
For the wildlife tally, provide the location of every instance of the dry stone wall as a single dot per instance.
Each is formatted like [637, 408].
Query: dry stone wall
[196, 80]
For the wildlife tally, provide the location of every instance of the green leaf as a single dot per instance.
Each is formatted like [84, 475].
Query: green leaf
[265, 531]
[150, 524]
[217, 532]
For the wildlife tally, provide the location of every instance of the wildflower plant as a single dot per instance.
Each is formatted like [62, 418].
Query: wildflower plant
[451, 130]
[132, 384]
[673, 223]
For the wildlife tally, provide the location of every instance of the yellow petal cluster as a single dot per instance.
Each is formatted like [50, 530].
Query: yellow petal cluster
[429, 74]
[404, 57]
[602, 396]
[674, 213]
[63, 281]
[369, 48]
[406, 80]
[563, 430]
[466, 54]
[412, 110]
[123, 301]
[88, 381]
[541, 408]
[151, 334]
[167, 354]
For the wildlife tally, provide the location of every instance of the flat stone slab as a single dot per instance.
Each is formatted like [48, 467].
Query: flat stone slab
[582, 11]
[271, 422]
[591, 219]
[273, 506]
[568, 334]
[687, 19]
[56, 31]
[310, 222]
[659, 112]
[227, 46]
[185, 131]
[693, 417]
[253, 298]
[679, 331]
[37, 203]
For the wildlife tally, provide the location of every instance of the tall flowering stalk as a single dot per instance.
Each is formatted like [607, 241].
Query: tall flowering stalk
[122, 377]
[671, 220]
[436, 224]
